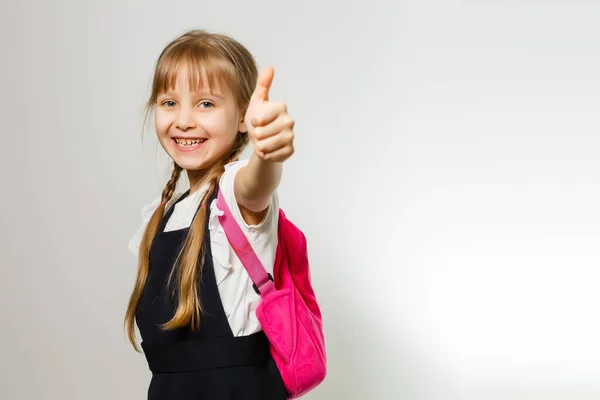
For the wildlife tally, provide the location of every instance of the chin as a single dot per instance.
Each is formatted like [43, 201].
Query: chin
[191, 164]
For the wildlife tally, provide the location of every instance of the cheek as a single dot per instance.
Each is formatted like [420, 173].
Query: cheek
[220, 125]
[162, 124]
[163, 120]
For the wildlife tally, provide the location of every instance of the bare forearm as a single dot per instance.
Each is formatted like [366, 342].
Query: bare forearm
[255, 183]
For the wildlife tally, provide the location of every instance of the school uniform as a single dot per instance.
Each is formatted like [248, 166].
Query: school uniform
[228, 357]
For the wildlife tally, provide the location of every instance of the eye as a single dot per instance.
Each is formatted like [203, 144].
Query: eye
[169, 103]
[206, 104]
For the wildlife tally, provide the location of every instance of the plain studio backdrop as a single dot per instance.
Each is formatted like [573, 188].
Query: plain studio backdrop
[446, 175]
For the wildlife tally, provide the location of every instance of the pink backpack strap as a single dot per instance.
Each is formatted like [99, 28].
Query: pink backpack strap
[263, 282]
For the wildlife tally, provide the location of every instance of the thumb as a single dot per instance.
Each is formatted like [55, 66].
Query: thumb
[261, 92]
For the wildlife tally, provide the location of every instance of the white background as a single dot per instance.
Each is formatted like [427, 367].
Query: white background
[447, 176]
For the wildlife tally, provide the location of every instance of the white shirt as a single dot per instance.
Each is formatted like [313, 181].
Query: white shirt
[235, 287]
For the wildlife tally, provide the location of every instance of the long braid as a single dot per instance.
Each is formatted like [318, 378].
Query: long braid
[171, 184]
[190, 262]
[144, 251]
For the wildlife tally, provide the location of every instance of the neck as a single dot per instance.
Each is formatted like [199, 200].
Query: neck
[196, 179]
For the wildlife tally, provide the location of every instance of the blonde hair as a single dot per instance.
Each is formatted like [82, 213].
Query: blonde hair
[217, 59]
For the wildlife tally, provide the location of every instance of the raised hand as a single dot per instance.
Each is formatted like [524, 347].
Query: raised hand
[270, 127]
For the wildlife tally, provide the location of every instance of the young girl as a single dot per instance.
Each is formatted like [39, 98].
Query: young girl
[193, 301]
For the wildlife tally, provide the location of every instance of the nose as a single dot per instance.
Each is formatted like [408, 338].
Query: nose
[185, 120]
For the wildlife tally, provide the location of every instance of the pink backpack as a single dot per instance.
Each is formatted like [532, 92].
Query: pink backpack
[288, 312]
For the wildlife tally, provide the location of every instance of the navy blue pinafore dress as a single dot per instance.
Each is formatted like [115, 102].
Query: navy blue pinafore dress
[204, 364]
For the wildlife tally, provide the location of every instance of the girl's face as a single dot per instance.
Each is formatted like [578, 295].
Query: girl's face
[197, 127]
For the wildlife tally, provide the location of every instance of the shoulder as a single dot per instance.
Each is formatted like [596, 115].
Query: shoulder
[231, 170]
[146, 213]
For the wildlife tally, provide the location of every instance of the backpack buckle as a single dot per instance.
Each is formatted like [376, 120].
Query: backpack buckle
[270, 278]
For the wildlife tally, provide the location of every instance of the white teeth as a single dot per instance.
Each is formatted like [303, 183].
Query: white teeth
[189, 142]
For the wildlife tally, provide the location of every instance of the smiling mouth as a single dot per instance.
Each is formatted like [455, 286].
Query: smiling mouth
[189, 142]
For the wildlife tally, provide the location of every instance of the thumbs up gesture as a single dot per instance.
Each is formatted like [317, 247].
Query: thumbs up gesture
[270, 127]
